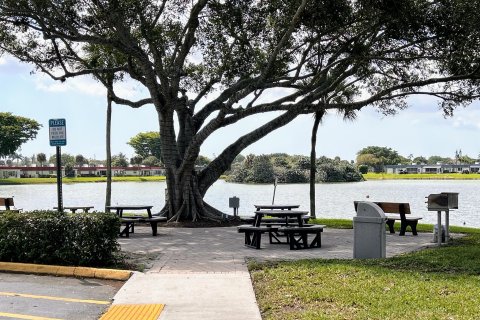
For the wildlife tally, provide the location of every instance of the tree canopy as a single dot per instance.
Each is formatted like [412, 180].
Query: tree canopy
[292, 169]
[41, 158]
[120, 160]
[15, 131]
[66, 159]
[208, 64]
[377, 157]
[146, 144]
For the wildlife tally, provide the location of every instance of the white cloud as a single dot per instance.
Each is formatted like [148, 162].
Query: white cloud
[87, 85]
[81, 85]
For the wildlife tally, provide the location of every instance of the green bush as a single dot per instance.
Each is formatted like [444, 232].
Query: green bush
[48, 237]
[294, 176]
[262, 170]
[292, 169]
[363, 169]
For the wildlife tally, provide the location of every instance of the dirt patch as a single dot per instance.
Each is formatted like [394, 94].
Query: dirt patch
[139, 261]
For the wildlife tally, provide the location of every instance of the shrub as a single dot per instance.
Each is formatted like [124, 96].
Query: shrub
[262, 170]
[292, 169]
[295, 176]
[363, 169]
[48, 237]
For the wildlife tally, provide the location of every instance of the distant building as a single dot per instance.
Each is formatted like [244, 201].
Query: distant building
[81, 171]
[432, 168]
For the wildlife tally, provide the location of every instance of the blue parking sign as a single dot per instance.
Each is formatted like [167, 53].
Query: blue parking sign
[57, 132]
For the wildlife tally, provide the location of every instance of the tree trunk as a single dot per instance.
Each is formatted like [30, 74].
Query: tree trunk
[186, 186]
[313, 165]
[108, 192]
[186, 201]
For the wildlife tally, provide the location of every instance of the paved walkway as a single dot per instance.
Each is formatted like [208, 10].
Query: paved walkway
[201, 273]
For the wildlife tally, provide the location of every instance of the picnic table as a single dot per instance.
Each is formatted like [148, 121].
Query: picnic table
[276, 206]
[285, 214]
[287, 223]
[74, 209]
[129, 221]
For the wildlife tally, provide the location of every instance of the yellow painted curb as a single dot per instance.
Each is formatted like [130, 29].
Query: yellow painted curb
[133, 311]
[84, 272]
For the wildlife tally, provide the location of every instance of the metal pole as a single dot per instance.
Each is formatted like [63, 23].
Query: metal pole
[274, 188]
[447, 223]
[59, 179]
[439, 228]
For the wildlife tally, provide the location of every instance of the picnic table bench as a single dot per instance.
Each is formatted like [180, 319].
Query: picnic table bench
[298, 236]
[129, 221]
[397, 211]
[253, 234]
[8, 205]
[74, 209]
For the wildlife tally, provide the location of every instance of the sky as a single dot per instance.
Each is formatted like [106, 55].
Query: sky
[420, 130]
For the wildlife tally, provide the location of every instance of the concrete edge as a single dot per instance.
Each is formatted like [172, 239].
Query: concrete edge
[82, 272]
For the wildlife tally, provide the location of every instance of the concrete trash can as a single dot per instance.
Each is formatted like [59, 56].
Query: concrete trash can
[369, 238]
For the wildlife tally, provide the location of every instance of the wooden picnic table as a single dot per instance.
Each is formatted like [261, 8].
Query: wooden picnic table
[276, 206]
[130, 221]
[120, 208]
[296, 214]
[295, 234]
[74, 209]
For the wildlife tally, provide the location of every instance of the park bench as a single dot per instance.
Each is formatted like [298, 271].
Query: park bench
[298, 236]
[397, 211]
[7, 204]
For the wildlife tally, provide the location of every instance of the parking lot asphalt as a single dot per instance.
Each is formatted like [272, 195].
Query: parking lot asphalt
[42, 297]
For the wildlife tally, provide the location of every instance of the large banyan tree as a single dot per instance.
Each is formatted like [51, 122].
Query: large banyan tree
[208, 64]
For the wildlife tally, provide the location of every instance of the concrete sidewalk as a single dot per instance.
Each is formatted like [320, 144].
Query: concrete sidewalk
[201, 273]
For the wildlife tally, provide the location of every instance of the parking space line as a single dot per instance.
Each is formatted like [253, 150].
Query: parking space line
[23, 295]
[133, 311]
[24, 316]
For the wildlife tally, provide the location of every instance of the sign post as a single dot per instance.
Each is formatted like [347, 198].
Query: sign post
[58, 138]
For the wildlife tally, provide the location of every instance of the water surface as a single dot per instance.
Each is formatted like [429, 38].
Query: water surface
[333, 200]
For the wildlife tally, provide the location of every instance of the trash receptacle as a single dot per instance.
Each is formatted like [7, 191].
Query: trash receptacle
[435, 233]
[369, 239]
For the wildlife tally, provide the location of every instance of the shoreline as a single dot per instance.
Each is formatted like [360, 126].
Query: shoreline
[421, 176]
[20, 181]
[368, 176]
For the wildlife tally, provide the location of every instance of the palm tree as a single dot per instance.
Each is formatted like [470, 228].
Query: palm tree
[108, 192]
[347, 115]
[42, 158]
[313, 166]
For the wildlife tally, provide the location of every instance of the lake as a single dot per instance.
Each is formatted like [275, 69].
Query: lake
[333, 200]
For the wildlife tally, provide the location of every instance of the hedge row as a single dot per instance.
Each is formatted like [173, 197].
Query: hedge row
[48, 237]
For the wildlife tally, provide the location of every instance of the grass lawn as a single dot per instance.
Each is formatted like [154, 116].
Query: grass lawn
[421, 176]
[436, 283]
[78, 180]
